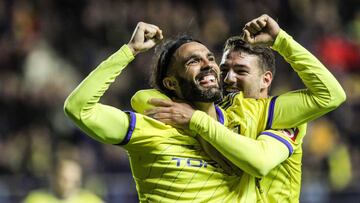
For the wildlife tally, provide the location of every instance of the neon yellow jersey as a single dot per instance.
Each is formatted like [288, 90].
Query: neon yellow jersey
[254, 117]
[41, 196]
[283, 183]
[248, 116]
[168, 165]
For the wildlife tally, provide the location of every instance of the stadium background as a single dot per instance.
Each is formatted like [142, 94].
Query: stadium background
[48, 46]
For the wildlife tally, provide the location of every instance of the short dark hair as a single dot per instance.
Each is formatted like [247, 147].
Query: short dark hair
[265, 54]
[164, 54]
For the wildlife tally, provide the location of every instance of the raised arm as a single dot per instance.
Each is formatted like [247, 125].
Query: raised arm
[323, 93]
[102, 122]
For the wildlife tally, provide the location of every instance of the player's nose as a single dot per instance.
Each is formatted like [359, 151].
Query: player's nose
[230, 77]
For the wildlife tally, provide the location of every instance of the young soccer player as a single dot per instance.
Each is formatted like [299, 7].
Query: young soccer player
[273, 156]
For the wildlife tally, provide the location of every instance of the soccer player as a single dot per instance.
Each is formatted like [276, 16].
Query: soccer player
[66, 186]
[275, 156]
[167, 165]
[250, 69]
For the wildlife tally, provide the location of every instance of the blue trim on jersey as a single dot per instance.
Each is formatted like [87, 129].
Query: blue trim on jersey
[271, 113]
[288, 145]
[130, 129]
[220, 114]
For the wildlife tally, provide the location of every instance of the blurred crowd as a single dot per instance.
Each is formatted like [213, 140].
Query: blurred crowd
[48, 46]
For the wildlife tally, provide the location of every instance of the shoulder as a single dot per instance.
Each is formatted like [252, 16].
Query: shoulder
[229, 99]
[139, 101]
[88, 197]
[147, 132]
[39, 196]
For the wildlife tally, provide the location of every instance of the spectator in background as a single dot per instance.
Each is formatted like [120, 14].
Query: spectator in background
[66, 186]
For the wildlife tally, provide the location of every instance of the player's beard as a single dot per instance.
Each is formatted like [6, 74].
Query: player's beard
[193, 92]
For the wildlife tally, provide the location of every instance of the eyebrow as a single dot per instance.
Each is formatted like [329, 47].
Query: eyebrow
[210, 54]
[236, 66]
[191, 57]
[195, 55]
[241, 66]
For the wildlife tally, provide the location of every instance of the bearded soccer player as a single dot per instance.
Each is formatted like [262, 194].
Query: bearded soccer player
[168, 163]
[273, 158]
[167, 166]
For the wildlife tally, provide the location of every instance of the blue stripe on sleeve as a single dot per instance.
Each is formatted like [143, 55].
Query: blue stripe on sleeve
[220, 115]
[271, 113]
[130, 129]
[288, 145]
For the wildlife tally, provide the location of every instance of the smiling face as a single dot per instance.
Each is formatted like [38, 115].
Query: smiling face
[194, 74]
[242, 72]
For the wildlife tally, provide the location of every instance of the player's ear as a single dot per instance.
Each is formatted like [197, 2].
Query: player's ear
[170, 83]
[266, 79]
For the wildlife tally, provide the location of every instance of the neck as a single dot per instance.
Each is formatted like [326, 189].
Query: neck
[264, 93]
[208, 108]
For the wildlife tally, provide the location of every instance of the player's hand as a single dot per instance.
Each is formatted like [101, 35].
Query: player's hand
[261, 31]
[145, 37]
[171, 113]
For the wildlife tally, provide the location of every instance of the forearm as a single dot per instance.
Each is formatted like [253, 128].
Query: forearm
[323, 93]
[104, 123]
[256, 157]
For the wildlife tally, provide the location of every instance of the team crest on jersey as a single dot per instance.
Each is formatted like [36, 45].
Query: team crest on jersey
[291, 133]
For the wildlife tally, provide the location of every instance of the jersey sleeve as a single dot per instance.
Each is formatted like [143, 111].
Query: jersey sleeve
[102, 122]
[256, 156]
[323, 93]
[143, 133]
[292, 138]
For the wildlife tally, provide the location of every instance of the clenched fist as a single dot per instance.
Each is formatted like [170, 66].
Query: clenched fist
[261, 31]
[145, 37]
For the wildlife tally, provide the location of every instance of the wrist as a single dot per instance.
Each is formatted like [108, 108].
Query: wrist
[132, 49]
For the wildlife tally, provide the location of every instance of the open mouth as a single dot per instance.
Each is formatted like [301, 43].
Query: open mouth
[207, 79]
